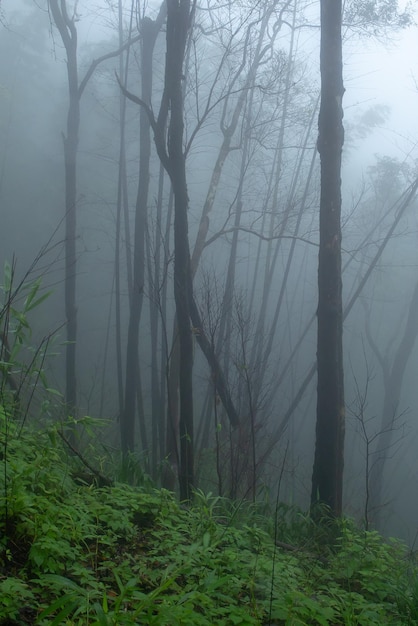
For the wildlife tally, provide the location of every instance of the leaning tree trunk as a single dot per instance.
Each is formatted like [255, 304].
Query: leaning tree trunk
[327, 476]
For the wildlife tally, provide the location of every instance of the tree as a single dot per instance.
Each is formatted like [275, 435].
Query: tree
[66, 25]
[179, 16]
[329, 449]
[149, 30]
[252, 100]
[168, 134]
[393, 374]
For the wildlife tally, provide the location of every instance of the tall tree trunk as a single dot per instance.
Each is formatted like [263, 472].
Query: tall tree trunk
[246, 98]
[400, 206]
[178, 23]
[155, 281]
[168, 134]
[122, 202]
[270, 263]
[392, 379]
[265, 341]
[169, 144]
[149, 31]
[327, 479]
[68, 32]
[170, 364]
[70, 157]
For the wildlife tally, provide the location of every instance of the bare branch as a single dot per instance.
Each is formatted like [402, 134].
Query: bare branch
[105, 57]
[155, 124]
[226, 231]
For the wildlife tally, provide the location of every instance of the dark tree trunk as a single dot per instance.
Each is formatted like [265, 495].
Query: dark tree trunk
[121, 203]
[329, 450]
[149, 32]
[156, 327]
[178, 22]
[68, 33]
[399, 207]
[168, 134]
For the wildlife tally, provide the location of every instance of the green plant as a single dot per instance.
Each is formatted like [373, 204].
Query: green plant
[21, 365]
[130, 470]
[14, 595]
[77, 554]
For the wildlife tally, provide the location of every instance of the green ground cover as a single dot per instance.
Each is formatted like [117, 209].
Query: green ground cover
[78, 554]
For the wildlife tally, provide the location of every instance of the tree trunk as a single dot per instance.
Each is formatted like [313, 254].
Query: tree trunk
[155, 278]
[393, 379]
[149, 32]
[68, 33]
[178, 24]
[121, 203]
[399, 207]
[327, 476]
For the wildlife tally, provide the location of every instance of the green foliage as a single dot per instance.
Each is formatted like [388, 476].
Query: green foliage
[130, 469]
[22, 373]
[114, 556]
[13, 593]
[375, 17]
[76, 553]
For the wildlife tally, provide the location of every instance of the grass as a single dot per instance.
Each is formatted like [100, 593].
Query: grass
[78, 554]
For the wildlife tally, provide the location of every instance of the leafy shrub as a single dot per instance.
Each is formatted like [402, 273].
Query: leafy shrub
[121, 555]
[76, 553]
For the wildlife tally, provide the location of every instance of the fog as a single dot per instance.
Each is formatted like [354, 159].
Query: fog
[265, 204]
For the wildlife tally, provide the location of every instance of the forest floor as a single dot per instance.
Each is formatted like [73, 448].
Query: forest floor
[74, 553]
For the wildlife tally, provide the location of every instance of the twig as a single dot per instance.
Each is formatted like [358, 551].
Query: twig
[103, 481]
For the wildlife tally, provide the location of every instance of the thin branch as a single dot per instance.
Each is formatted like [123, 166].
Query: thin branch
[102, 480]
[105, 57]
[259, 235]
[155, 124]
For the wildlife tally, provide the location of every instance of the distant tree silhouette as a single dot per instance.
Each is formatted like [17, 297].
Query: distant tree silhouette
[66, 25]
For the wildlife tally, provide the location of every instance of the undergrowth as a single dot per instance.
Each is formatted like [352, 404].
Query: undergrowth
[78, 554]
[81, 547]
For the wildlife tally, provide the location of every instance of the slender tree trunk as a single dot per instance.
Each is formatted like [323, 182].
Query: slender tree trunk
[327, 479]
[70, 157]
[169, 382]
[68, 32]
[155, 286]
[122, 202]
[179, 15]
[393, 385]
[266, 343]
[399, 207]
[149, 30]
[127, 422]
[270, 263]
[168, 134]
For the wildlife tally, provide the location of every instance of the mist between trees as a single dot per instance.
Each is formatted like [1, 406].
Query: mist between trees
[166, 161]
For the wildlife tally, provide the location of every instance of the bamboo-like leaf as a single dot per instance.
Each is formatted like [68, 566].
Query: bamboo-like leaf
[33, 304]
[67, 603]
